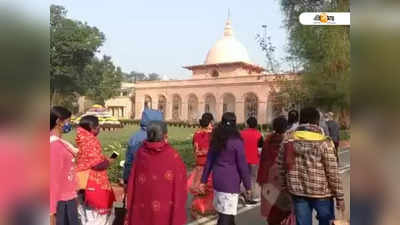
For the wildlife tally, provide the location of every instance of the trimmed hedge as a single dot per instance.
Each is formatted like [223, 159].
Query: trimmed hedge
[169, 123]
[129, 122]
[241, 126]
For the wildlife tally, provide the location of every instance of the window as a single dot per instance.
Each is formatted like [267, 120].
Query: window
[225, 108]
[215, 73]
[207, 108]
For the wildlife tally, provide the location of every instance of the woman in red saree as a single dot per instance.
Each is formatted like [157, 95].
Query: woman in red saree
[92, 171]
[157, 191]
[275, 203]
[202, 204]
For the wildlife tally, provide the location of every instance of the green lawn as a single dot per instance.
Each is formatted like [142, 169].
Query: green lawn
[180, 138]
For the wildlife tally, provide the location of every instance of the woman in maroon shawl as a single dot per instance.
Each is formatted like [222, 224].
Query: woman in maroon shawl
[275, 203]
[202, 204]
[157, 190]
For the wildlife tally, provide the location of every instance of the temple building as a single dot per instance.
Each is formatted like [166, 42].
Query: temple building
[226, 81]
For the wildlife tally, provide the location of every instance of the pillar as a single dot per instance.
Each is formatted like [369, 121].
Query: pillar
[202, 106]
[139, 100]
[168, 110]
[154, 104]
[262, 112]
[185, 111]
[219, 107]
[269, 116]
[239, 110]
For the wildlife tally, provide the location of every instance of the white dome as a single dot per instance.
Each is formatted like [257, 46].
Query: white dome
[227, 49]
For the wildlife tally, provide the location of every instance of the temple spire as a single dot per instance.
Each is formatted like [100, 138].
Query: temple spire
[228, 28]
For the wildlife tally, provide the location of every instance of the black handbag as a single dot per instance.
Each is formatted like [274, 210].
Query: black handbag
[120, 213]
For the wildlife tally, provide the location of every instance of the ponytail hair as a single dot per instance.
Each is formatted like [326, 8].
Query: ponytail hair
[58, 113]
[225, 130]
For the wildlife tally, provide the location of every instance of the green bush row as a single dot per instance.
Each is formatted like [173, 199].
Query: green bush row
[170, 123]
[184, 148]
[241, 126]
[345, 134]
[261, 127]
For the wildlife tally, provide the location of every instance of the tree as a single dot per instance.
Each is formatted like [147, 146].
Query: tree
[266, 46]
[74, 69]
[324, 54]
[101, 80]
[72, 47]
[134, 76]
[153, 76]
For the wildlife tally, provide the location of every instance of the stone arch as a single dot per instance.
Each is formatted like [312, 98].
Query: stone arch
[193, 108]
[162, 104]
[250, 105]
[228, 101]
[148, 102]
[210, 104]
[176, 107]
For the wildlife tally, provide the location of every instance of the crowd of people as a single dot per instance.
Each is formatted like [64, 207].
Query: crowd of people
[292, 171]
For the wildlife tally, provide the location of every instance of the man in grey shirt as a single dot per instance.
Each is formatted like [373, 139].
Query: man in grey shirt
[333, 128]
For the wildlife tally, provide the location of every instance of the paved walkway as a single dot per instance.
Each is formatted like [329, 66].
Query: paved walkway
[251, 215]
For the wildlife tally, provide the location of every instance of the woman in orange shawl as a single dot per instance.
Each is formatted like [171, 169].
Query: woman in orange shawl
[202, 204]
[92, 169]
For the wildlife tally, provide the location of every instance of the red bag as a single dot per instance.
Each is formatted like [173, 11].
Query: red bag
[97, 197]
[290, 220]
[203, 204]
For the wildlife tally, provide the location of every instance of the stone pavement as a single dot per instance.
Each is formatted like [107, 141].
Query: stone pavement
[251, 215]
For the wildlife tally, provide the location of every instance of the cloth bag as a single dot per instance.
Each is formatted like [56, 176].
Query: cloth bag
[82, 179]
[342, 221]
[290, 220]
[204, 204]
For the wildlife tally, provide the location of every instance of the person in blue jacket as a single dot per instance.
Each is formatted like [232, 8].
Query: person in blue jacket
[137, 139]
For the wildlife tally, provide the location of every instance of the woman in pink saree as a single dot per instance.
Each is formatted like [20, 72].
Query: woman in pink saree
[202, 204]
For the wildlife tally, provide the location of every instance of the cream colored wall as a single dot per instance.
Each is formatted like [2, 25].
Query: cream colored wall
[121, 101]
[225, 71]
[237, 86]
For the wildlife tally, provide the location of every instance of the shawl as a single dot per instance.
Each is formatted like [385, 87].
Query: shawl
[268, 157]
[275, 203]
[98, 194]
[157, 190]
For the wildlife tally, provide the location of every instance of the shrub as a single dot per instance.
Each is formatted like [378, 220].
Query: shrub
[264, 127]
[115, 171]
[344, 135]
[241, 126]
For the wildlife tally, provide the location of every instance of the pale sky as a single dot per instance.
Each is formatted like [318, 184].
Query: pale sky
[165, 35]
